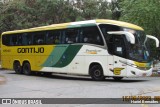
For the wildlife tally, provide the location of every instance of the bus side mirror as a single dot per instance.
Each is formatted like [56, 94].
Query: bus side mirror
[130, 37]
[154, 38]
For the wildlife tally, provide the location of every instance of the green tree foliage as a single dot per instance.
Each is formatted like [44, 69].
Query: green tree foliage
[8, 14]
[92, 9]
[144, 13]
[21, 14]
[89, 9]
[115, 8]
[104, 10]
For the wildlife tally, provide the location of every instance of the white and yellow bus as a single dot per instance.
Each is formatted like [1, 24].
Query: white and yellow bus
[99, 48]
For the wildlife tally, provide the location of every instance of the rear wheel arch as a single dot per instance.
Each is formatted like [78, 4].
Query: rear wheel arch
[25, 61]
[17, 61]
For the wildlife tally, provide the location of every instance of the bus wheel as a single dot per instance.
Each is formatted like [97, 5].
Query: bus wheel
[118, 78]
[96, 73]
[26, 68]
[17, 67]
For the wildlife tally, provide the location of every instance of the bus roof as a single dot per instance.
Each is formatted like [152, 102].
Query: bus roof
[77, 24]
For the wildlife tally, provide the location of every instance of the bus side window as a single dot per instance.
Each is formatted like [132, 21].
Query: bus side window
[53, 37]
[39, 38]
[58, 38]
[109, 38]
[14, 40]
[30, 39]
[71, 36]
[27, 39]
[24, 39]
[92, 35]
[86, 39]
[50, 38]
[6, 40]
[81, 36]
[19, 37]
[57, 41]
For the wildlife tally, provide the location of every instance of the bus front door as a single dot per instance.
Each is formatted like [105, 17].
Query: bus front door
[118, 58]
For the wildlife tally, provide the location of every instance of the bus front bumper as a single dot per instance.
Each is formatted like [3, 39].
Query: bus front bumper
[137, 72]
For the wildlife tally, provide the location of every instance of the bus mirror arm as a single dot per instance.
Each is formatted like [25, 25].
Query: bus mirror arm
[154, 38]
[130, 37]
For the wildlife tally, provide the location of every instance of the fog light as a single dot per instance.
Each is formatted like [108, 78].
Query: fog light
[133, 72]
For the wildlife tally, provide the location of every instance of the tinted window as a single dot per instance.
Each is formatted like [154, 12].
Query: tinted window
[12, 40]
[67, 36]
[106, 28]
[116, 43]
[82, 35]
[6, 39]
[53, 37]
[39, 38]
[27, 39]
[92, 35]
[71, 36]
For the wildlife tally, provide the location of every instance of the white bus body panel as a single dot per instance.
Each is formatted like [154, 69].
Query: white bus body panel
[89, 54]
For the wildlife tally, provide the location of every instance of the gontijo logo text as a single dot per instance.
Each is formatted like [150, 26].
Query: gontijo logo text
[30, 50]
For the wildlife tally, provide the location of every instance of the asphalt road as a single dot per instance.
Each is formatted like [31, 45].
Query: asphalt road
[64, 86]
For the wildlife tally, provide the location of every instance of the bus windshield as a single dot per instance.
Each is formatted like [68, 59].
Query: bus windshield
[140, 50]
[137, 52]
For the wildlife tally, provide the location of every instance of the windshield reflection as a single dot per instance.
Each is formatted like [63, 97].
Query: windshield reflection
[138, 53]
[139, 50]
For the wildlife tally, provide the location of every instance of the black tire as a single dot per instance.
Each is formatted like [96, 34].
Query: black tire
[17, 67]
[96, 73]
[26, 68]
[118, 78]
